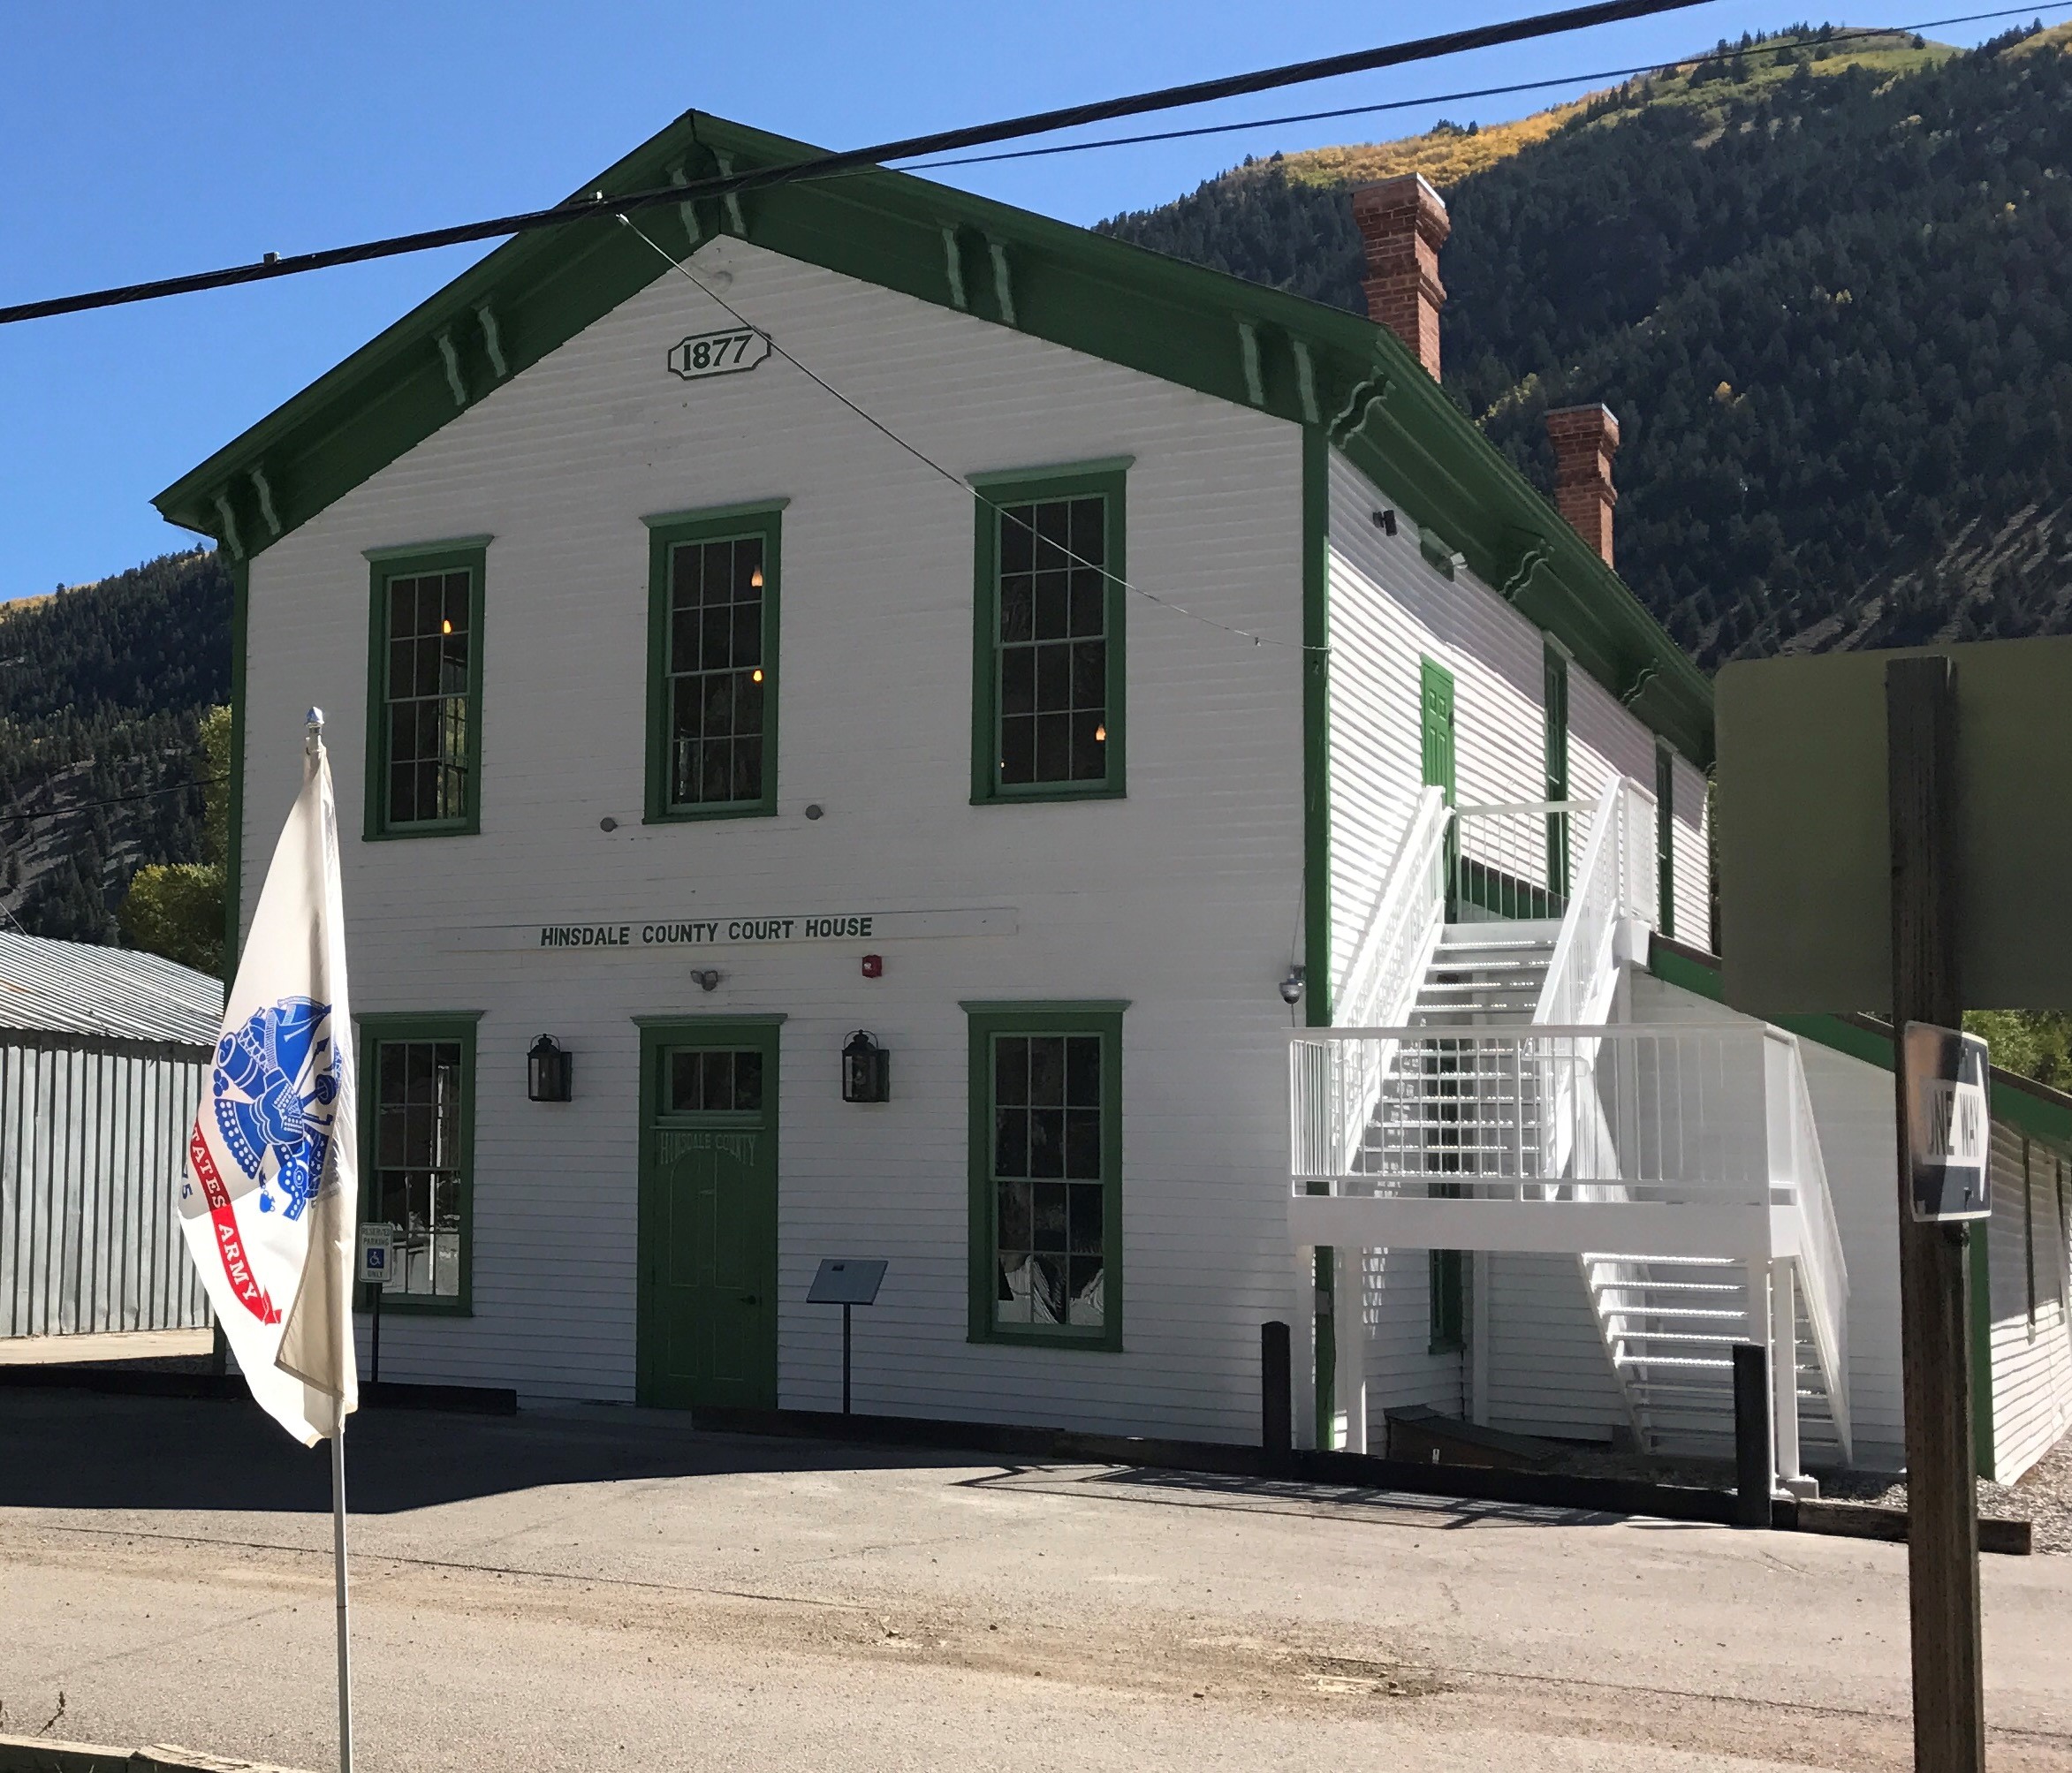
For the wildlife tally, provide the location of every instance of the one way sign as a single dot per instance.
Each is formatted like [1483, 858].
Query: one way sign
[1949, 1141]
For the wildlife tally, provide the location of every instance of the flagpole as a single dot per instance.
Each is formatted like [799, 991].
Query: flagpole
[338, 1563]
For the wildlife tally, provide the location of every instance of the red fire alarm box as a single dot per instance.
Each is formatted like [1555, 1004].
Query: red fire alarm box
[874, 965]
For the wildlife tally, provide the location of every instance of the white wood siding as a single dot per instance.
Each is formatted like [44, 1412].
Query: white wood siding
[1389, 611]
[1547, 1370]
[1693, 857]
[2026, 1270]
[1180, 897]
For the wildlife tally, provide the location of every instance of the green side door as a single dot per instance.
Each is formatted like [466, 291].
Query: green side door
[1436, 714]
[707, 1215]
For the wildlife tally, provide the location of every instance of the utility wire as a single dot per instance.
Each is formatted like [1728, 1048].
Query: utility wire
[945, 142]
[929, 462]
[8, 813]
[1791, 48]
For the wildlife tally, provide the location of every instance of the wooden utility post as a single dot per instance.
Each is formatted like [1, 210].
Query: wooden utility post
[1942, 1506]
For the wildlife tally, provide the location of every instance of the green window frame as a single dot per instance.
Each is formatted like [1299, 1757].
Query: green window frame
[1049, 637]
[424, 688]
[417, 1084]
[1449, 1289]
[1666, 838]
[1554, 704]
[713, 672]
[1045, 1231]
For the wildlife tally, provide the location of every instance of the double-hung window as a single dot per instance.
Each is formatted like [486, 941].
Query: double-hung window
[712, 663]
[1047, 689]
[1046, 1173]
[417, 1152]
[424, 689]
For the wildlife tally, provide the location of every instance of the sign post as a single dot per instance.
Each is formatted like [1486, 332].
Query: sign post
[377, 1246]
[845, 1281]
[1935, 1315]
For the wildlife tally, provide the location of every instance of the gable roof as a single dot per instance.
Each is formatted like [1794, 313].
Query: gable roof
[74, 988]
[1219, 335]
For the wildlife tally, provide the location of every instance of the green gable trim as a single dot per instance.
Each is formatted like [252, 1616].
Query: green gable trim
[1317, 993]
[2037, 1110]
[1250, 346]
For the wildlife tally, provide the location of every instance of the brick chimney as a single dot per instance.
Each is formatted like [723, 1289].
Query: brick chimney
[1403, 223]
[1583, 438]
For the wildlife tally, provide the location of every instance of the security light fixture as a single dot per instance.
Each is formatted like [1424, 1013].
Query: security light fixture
[867, 1069]
[1385, 522]
[549, 1071]
[1291, 987]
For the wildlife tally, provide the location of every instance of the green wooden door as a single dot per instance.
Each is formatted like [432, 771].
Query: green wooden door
[708, 1232]
[1437, 686]
[1436, 717]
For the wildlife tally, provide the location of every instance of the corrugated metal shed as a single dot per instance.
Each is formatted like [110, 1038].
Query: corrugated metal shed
[71, 987]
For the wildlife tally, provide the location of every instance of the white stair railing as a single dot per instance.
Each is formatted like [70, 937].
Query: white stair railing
[1796, 1164]
[1390, 959]
[1701, 1130]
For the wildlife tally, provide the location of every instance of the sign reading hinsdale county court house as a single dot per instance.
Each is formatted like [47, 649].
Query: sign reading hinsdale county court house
[649, 933]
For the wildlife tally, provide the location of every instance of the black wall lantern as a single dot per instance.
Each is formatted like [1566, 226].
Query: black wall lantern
[867, 1069]
[549, 1071]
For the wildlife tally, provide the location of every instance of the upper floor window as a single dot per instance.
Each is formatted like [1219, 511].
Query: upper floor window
[712, 672]
[424, 691]
[1047, 695]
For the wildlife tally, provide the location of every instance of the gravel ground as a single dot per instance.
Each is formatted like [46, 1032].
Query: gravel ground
[2043, 1494]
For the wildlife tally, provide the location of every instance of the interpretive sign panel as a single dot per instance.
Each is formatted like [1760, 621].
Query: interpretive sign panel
[844, 1280]
[1804, 839]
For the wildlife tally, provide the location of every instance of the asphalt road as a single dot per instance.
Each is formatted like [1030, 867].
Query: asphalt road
[589, 1589]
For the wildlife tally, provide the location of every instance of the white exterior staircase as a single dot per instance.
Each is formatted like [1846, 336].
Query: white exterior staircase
[1477, 1096]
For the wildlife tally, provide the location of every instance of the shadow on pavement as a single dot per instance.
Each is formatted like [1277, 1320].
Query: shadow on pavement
[62, 1449]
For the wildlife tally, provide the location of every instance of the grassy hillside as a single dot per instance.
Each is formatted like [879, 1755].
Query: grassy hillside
[1824, 292]
[102, 687]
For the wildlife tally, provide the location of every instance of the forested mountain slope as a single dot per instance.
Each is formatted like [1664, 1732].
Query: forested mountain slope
[1826, 300]
[102, 688]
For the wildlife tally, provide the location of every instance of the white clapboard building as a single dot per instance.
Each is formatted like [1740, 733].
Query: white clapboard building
[849, 640]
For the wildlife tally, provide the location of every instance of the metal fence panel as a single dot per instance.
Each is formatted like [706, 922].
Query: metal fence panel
[91, 1134]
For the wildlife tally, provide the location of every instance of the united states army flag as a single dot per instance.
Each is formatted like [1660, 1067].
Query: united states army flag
[268, 1196]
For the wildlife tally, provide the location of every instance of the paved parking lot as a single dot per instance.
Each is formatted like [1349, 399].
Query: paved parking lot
[597, 1586]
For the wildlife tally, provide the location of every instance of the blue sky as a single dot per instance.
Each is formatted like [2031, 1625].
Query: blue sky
[143, 140]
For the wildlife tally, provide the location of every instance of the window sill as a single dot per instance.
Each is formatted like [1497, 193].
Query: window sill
[466, 828]
[1107, 1341]
[400, 1305]
[697, 815]
[1051, 791]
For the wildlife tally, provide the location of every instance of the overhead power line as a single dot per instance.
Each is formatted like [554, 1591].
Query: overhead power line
[822, 166]
[1796, 47]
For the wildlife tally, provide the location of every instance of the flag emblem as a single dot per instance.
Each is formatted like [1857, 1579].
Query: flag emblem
[276, 1085]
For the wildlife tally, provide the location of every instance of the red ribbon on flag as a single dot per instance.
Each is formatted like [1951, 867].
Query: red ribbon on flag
[229, 1242]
